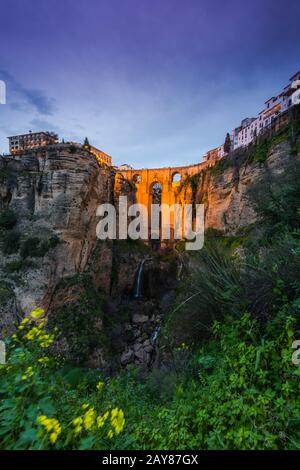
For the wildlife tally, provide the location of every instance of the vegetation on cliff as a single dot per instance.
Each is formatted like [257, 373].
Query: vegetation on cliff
[226, 379]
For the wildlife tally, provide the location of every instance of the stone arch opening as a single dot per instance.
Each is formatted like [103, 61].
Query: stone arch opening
[155, 197]
[137, 178]
[176, 178]
[155, 192]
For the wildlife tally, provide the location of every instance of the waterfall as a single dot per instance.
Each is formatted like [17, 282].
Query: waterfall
[154, 335]
[138, 285]
[137, 288]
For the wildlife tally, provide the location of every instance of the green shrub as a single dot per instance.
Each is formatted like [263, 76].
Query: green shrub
[246, 395]
[259, 152]
[295, 148]
[5, 172]
[36, 247]
[31, 247]
[8, 219]
[220, 166]
[212, 290]
[16, 266]
[277, 197]
[11, 242]
[5, 293]
[73, 149]
[80, 321]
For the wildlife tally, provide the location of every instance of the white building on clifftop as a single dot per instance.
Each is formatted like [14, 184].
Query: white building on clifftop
[251, 127]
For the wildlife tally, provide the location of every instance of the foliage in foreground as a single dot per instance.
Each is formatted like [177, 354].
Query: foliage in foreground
[241, 392]
[39, 407]
[234, 388]
[244, 395]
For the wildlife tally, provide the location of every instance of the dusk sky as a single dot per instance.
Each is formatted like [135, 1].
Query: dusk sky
[151, 82]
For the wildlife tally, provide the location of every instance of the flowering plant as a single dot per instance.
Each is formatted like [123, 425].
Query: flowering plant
[38, 408]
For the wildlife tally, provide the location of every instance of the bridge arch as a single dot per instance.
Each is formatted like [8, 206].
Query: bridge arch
[155, 192]
[136, 178]
[168, 178]
[176, 177]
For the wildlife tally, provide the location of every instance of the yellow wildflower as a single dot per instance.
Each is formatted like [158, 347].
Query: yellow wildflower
[110, 434]
[43, 360]
[28, 373]
[78, 424]
[100, 386]
[33, 333]
[89, 418]
[51, 426]
[53, 437]
[46, 340]
[101, 420]
[117, 420]
[41, 419]
[37, 313]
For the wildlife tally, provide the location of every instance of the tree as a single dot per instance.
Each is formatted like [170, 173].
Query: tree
[227, 143]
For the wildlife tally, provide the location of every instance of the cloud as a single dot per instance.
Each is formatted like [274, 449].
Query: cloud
[23, 96]
[40, 101]
[41, 124]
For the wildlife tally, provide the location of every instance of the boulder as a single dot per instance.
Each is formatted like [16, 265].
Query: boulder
[139, 318]
[127, 357]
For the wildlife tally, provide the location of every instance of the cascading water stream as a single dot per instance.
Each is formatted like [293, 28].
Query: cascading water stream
[137, 294]
[137, 287]
[154, 336]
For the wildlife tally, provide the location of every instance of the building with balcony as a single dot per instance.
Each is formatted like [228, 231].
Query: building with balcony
[101, 157]
[244, 134]
[32, 140]
[124, 167]
[214, 154]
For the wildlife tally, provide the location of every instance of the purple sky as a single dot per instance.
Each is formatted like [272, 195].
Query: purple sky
[151, 82]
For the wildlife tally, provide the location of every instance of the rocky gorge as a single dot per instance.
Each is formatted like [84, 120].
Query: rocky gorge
[50, 255]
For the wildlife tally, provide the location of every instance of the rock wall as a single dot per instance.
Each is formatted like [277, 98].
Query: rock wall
[54, 193]
[223, 188]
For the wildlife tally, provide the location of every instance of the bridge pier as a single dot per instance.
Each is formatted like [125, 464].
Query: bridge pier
[144, 179]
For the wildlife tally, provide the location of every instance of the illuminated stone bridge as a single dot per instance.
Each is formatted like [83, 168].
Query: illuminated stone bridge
[160, 185]
[167, 179]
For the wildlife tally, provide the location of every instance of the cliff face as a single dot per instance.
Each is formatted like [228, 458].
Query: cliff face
[54, 195]
[223, 188]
